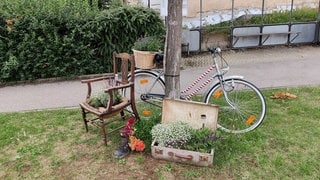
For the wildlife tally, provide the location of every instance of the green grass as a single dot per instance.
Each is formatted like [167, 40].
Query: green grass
[53, 144]
[298, 15]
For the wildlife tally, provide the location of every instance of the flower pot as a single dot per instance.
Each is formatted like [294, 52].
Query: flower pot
[144, 59]
[182, 156]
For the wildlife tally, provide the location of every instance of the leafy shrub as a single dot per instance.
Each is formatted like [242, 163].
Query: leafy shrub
[61, 42]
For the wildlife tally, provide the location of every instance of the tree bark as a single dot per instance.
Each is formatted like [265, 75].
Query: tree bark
[173, 49]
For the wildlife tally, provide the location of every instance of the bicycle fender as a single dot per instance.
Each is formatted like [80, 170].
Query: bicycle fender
[233, 77]
[156, 73]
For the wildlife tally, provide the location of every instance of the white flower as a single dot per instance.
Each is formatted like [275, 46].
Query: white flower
[176, 131]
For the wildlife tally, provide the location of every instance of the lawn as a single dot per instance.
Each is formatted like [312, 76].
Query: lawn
[53, 144]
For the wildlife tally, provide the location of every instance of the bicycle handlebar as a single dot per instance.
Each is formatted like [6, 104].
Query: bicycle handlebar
[214, 50]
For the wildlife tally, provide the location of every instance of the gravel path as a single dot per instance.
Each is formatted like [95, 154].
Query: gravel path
[266, 68]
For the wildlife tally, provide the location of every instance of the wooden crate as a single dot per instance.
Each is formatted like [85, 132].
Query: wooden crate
[196, 114]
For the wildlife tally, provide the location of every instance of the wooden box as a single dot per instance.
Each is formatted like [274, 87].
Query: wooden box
[196, 114]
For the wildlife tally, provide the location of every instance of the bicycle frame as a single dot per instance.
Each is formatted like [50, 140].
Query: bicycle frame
[219, 75]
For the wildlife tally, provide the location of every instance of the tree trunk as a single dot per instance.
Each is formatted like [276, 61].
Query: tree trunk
[173, 49]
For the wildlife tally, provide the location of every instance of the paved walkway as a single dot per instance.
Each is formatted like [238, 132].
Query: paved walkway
[270, 67]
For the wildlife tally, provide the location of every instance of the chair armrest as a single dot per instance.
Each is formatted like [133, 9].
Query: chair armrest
[109, 76]
[89, 81]
[123, 86]
[111, 90]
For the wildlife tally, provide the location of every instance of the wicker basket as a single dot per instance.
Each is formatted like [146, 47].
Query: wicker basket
[144, 59]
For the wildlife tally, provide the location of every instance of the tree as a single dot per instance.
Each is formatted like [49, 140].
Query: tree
[173, 49]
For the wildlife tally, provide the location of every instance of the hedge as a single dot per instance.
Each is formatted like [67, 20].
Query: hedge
[46, 45]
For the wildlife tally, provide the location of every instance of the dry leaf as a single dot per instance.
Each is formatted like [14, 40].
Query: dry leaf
[9, 21]
[283, 95]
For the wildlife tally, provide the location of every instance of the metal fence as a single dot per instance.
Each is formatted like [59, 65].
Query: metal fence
[275, 34]
[262, 34]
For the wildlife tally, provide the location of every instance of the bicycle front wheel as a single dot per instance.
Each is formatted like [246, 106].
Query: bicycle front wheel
[242, 105]
[149, 90]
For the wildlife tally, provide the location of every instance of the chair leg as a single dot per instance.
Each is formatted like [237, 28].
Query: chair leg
[122, 115]
[134, 110]
[84, 117]
[103, 131]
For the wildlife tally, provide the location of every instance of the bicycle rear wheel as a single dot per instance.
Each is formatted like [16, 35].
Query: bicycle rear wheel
[149, 91]
[247, 109]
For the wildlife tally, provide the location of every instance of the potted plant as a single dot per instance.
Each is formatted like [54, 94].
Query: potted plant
[179, 142]
[144, 50]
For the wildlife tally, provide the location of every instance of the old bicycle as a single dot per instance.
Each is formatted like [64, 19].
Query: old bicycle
[242, 105]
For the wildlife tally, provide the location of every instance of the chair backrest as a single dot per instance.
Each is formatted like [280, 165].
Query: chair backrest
[124, 64]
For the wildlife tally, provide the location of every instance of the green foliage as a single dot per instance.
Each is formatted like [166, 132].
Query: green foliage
[60, 8]
[56, 40]
[143, 129]
[101, 99]
[298, 15]
[202, 140]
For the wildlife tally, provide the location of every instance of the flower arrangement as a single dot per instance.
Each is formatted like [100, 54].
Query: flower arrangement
[134, 143]
[128, 128]
[171, 135]
[181, 135]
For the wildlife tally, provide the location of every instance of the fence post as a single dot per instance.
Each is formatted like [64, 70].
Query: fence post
[262, 22]
[231, 23]
[317, 36]
[290, 22]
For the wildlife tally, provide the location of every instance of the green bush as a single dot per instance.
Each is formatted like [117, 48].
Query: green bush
[57, 42]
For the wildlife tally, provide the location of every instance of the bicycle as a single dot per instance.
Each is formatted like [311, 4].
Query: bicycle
[242, 105]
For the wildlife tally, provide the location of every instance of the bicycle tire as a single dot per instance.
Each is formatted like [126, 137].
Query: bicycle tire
[249, 105]
[146, 85]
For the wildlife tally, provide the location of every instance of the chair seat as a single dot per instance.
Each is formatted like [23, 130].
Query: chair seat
[100, 111]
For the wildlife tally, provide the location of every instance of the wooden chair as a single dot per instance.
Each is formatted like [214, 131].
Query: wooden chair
[116, 81]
